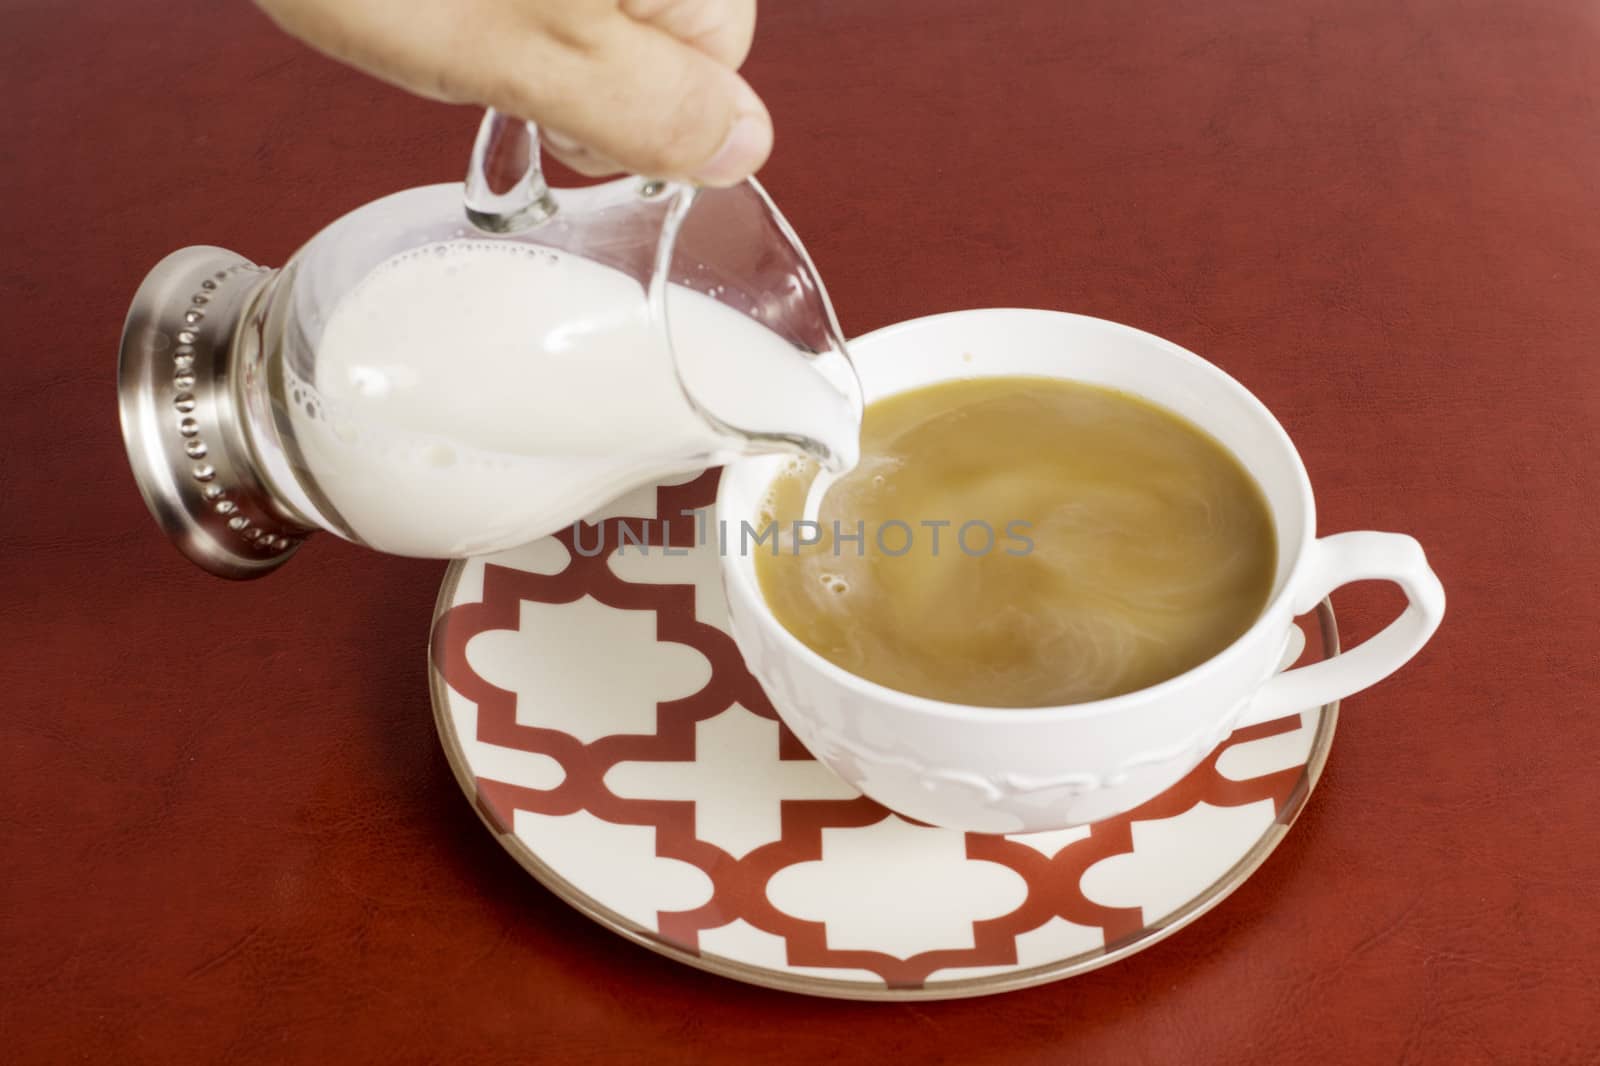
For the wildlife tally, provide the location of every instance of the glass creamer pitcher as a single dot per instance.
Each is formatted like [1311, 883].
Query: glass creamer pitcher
[458, 369]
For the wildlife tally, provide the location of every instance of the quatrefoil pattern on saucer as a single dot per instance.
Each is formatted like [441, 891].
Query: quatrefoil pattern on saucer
[596, 710]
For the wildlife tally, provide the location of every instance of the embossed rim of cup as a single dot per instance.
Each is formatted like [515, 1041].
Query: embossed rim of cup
[740, 568]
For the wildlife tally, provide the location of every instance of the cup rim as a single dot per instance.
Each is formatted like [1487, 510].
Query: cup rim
[732, 573]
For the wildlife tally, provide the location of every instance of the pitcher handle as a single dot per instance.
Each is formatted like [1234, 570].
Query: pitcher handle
[506, 146]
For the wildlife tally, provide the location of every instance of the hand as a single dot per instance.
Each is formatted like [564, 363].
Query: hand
[648, 86]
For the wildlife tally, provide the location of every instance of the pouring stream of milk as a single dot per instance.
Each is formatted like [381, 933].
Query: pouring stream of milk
[819, 489]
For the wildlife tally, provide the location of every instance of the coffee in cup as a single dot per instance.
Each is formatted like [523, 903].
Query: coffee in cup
[1021, 541]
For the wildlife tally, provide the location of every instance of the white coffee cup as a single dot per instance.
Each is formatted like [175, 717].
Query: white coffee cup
[1010, 770]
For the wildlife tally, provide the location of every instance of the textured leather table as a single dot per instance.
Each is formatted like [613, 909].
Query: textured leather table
[229, 833]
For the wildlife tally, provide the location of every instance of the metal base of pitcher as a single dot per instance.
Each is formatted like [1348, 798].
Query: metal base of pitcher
[180, 419]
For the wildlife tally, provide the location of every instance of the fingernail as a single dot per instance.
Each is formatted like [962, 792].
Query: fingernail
[560, 141]
[743, 150]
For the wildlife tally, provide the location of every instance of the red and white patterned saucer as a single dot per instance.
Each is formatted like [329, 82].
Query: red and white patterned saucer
[596, 712]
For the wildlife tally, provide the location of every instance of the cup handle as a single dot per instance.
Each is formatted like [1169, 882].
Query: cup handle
[506, 146]
[1339, 560]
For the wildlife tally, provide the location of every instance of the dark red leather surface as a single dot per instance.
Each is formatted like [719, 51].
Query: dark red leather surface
[229, 833]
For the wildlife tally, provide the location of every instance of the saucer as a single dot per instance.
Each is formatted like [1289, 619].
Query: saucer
[597, 714]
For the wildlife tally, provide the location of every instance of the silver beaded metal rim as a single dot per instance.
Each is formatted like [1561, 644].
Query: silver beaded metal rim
[190, 429]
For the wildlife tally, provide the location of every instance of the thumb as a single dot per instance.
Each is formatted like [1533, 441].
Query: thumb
[641, 97]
